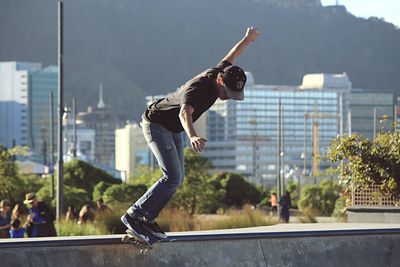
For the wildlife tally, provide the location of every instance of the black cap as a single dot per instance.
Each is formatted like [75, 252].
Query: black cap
[234, 79]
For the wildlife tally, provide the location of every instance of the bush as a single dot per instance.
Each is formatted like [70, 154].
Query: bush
[123, 193]
[99, 190]
[319, 199]
[340, 210]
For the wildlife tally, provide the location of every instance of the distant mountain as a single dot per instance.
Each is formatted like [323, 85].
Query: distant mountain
[142, 47]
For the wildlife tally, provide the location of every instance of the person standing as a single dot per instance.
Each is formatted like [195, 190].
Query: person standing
[5, 218]
[41, 218]
[274, 204]
[284, 207]
[164, 122]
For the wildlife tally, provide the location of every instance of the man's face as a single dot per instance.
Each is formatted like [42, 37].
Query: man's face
[221, 89]
[34, 203]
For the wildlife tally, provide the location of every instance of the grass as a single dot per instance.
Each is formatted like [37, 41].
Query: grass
[170, 220]
[71, 228]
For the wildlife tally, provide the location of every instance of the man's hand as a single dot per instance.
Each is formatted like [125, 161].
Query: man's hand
[252, 34]
[197, 143]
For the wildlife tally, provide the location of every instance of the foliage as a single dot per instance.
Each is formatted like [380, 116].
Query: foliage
[196, 192]
[73, 196]
[32, 183]
[340, 210]
[319, 199]
[80, 174]
[364, 162]
[71, 228]
[145, 176]
[99, 189]
[9, 179]
[292, 188]
[123, 193]
[237, 191]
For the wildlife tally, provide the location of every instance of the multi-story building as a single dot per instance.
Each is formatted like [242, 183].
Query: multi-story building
[367, 109]
[243, 135]
[104, 122]
[131, 149]
[41, 83]
[14, 117]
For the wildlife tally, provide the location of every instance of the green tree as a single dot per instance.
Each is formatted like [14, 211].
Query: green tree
[319, 199]
[80, 174]
[310, 201]
[292, 188]
[145, 176]
[123, 193]
[237, 190]
[73, 196]
[99, 190]
[10, 183]
[363, 162]
[195, 192]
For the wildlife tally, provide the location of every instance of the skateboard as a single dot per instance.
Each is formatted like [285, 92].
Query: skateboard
[143, 245]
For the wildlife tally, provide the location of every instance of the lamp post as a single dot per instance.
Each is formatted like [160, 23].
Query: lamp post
[60, 162]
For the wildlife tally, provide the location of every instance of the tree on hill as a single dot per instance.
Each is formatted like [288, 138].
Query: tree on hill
[80, 174]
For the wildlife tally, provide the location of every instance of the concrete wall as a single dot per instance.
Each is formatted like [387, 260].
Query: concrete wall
[373, 215]
[241, 249]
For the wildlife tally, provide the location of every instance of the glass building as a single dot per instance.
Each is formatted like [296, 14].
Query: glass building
[41, 83]
[367, 109]
[14, 87]
[243, 135]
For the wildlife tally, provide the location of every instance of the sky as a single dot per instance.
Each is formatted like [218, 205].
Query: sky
[389, 10]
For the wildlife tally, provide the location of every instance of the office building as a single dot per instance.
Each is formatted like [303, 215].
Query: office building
[131, 150]
[367, 108]
[104, 122]
[14, 117]
[243, 135]
[41, 83]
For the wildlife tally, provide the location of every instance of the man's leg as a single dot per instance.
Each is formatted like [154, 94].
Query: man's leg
[168, 150]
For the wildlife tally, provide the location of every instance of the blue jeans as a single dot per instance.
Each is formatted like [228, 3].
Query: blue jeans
[167, 147]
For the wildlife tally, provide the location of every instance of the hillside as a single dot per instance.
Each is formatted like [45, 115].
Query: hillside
[142, 47]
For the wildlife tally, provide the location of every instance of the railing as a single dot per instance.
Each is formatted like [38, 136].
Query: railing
[373, 196]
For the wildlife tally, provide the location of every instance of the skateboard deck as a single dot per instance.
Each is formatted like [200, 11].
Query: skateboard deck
[143, 245]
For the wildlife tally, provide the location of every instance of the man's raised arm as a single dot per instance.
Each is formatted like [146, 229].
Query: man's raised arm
[250, 36]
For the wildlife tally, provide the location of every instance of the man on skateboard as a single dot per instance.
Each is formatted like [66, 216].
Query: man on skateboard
[163, 124]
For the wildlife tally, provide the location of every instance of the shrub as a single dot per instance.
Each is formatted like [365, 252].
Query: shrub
[123, 193]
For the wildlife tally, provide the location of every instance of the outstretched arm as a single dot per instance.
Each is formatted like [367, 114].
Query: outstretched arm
[250, 36]
[185, 115]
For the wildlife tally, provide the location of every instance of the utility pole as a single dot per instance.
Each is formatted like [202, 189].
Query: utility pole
[349, 121]
[74, 135]
[374, 121]
[278, 158]
[60, 161]
[51, 157]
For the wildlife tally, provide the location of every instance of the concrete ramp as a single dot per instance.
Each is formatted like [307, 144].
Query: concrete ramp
[281, 245]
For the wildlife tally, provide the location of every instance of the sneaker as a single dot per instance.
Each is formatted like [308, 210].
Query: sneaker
[154, 229]
[135, 225]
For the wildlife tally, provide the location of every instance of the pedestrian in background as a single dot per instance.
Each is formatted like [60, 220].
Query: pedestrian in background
[5, 218]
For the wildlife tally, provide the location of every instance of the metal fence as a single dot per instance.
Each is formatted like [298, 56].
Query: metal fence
[373, 196]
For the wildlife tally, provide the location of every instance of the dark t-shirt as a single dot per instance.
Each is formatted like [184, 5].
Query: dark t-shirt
[199, 92]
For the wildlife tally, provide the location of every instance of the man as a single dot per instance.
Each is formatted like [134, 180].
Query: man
[41, 218]
[163, 124]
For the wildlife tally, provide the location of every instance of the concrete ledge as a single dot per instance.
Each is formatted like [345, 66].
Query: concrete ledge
[281, 245]
[373, 214]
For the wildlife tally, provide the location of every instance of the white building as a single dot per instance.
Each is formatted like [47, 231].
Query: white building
[131, 149]
[14, 99]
